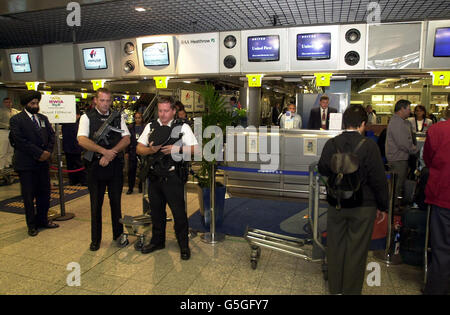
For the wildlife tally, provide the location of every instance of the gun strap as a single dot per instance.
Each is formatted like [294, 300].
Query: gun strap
[108, 121]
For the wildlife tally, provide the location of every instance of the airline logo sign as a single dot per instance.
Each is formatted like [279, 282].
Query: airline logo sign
[60, 109]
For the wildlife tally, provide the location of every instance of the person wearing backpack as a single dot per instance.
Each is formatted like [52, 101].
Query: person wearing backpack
[356, 188]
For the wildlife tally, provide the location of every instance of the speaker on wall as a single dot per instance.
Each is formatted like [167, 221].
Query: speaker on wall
[230, 52]
[129, 58]
[353, 47]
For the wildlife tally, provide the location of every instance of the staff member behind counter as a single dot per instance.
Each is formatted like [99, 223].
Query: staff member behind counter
[290, 119]
[105, 169]
[319, 118]
[167, 177]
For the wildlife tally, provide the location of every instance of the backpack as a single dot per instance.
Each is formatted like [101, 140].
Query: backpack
[344, 185]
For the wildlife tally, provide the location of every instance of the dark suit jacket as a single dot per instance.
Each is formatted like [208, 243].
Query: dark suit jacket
[29, 141]
[69, 140]
[315, 121]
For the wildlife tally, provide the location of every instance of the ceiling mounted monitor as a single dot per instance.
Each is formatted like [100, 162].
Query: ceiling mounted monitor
[156, 54]
[314, 46]
[264, 48]
[95, 58]
[20, 63]
[442, 42]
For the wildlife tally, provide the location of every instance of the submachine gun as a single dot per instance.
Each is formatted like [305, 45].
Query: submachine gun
[102, 133]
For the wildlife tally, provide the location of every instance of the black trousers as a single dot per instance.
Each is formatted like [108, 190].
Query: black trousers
[35, 185]
[132, 169]
[74, 163]
[163, 191]
[349, 233]
[438, 279]
[99, 178]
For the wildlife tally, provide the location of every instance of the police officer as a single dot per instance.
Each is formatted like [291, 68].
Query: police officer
[32, 137]
[165, 141]
[106, 167]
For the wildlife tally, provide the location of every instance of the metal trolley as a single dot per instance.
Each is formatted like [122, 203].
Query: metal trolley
[291, 245]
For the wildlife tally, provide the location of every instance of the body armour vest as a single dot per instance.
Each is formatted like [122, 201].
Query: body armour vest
[160, 163]
[96, 120]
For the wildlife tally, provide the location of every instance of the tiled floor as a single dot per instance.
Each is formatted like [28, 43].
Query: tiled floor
[39, 265]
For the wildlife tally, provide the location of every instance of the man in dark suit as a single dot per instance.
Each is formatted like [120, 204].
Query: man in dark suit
[319, 118]
[73, 152]
[32, 137]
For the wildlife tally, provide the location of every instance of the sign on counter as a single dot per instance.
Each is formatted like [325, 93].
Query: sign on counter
[60, 109]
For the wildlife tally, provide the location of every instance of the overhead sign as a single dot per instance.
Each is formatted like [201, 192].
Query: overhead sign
[33, 86]
[254, 80]
[97, 84]
[198, 53]
[60, 109]
[161, 82]
[441, 78]
[323, 79]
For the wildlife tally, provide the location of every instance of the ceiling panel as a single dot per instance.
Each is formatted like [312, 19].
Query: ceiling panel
[116, 19]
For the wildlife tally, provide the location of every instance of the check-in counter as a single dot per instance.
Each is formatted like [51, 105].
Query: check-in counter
[287, 175]
[296, 150]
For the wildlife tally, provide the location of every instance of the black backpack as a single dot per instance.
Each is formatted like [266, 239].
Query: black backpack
[344, 185]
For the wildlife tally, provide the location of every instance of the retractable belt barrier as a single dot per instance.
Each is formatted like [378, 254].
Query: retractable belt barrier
[68, 171]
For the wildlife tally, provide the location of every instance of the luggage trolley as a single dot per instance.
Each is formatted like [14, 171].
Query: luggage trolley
[291, 245]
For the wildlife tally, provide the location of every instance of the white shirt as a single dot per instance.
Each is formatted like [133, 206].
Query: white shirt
[83, 129]
[292, 122]
[188, 138]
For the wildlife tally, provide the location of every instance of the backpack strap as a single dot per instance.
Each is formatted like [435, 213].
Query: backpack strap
[359, 145]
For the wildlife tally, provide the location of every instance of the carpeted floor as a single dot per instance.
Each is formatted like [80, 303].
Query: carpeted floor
[15, 204]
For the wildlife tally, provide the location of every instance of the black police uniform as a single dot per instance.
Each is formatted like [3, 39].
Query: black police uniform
[100, 177]
[167, 178]
[30, 140]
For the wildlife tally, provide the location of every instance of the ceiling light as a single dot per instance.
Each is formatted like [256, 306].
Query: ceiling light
[397, 87]
[415, 82]
[406, 84]
[140, 9]
[187, 82]
[383, 81]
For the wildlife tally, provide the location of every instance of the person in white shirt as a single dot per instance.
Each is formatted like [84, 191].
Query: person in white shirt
[372, 117]
[162, 143]
[106, 167]
[6, 150]
[290, 119]
[419, 123]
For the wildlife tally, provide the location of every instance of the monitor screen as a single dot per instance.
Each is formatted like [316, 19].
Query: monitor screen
[442, 42]
[20, 63]
[95, 58]
[264, 48]
[156, 54]
[314, 46]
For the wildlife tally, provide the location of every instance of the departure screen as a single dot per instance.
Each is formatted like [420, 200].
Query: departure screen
[314, 46]
[95, 58]
[264, 48]
[20, 63]
[156, 54]
[442, 42]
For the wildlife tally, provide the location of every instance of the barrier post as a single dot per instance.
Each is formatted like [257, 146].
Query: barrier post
[212, 237]
[387, 256]
[64, 216]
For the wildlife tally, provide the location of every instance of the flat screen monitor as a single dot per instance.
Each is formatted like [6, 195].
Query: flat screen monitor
[442, 42]
[95, 58]
[263, 48]
[314, 46]
[20, 63]
[156, 54]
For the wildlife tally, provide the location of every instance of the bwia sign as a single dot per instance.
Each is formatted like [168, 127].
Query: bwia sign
[60, 109]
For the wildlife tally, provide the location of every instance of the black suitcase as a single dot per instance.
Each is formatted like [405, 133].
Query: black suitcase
[412, 237]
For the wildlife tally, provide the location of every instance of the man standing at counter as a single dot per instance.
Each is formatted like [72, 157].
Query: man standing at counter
[319, 118]
[291, 120]
[399, 145]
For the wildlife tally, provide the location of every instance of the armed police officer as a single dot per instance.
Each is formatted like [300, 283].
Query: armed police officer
[164, 142]
[104, 134]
